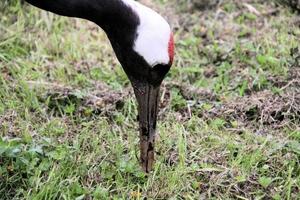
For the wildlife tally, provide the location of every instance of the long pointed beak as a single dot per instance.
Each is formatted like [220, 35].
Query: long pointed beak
[147, 97]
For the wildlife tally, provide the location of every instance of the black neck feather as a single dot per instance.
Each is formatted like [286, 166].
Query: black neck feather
[118, 20]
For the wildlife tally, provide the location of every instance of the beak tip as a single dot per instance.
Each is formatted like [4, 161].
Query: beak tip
[147, 155]
[147, 166]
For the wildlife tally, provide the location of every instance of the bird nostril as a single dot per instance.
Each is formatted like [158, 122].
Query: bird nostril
[154, 126]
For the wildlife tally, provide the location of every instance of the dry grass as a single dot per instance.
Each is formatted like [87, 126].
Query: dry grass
[229, 113]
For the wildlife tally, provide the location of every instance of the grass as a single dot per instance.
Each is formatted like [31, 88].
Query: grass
[229, 121]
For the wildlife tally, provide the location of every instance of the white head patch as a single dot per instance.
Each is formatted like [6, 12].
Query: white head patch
[153, 34]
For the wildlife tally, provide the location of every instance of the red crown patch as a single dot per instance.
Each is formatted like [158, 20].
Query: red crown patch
[171, 48]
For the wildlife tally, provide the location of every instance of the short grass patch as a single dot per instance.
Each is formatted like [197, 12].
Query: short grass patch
[229, 113]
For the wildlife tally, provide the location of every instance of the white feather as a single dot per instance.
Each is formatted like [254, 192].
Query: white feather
[153, 34]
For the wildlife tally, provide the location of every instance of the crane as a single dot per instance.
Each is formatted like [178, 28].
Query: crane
[143, 43]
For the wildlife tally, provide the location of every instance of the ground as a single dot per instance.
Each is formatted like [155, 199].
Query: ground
[229, 113]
